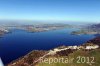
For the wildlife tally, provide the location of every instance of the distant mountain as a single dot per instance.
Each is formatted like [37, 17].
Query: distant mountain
[95, 26]
[88, 29]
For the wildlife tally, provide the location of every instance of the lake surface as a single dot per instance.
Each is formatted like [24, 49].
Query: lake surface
[20, 42]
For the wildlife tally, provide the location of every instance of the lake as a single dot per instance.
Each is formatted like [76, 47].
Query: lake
[19, 42]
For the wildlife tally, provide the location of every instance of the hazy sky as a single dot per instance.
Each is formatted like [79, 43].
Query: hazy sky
[64, 10]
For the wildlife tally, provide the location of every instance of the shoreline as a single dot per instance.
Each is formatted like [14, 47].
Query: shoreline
[57, 50]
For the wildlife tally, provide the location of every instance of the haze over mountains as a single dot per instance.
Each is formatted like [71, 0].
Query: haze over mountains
[30, 22]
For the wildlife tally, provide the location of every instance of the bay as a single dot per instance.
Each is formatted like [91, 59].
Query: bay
[20, 42]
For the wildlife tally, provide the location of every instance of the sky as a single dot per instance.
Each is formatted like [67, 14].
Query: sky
[57, 10]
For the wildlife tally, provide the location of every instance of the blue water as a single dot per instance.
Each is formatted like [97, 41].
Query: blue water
[20, 42]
